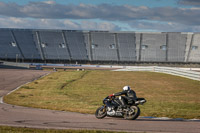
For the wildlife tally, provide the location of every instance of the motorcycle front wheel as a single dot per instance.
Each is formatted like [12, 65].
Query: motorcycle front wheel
[100, 112]
[132, 113]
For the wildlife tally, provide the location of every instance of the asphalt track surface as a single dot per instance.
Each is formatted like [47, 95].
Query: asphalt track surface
[12, 115]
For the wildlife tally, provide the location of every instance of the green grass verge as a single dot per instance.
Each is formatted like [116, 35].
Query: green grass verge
[6, 129]
[83, 91]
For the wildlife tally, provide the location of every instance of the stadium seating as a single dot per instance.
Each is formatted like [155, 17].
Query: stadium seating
[29, 44]
[26, 43]
[176, 47]
[103, 46]
[194, 53]
[153, 47]
[53, 45]
[77, 46]
[127, 46]
[8, 46]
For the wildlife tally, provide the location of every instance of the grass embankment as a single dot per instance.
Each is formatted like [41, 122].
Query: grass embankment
[6, 129]
[83, 91]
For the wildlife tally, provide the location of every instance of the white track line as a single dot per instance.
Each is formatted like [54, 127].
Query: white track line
[1, 98]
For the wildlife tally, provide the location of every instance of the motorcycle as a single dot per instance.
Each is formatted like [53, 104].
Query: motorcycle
[111, 107]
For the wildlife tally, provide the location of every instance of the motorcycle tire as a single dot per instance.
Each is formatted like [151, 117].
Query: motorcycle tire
[100, 113]
[136, 113]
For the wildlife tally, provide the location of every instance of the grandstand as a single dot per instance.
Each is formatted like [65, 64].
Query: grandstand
[99, 46]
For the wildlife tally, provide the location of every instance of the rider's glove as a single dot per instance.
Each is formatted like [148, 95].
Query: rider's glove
[112, 95]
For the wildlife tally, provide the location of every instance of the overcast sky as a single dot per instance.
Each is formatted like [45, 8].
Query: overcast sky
[115, 15]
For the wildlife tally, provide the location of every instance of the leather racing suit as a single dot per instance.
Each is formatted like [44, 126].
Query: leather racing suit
[129, 97]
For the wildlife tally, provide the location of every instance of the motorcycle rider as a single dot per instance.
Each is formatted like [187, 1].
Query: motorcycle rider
[129, 96]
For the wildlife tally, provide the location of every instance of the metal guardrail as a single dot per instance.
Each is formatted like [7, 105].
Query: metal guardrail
[23, 65]
[169, 70]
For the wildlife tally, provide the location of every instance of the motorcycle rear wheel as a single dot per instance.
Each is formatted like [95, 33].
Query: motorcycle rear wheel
[133, 113]
[100, 112]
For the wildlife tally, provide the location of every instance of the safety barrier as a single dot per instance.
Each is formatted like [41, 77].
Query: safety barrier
[14, 64]
[183, 72]
[169, 70]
